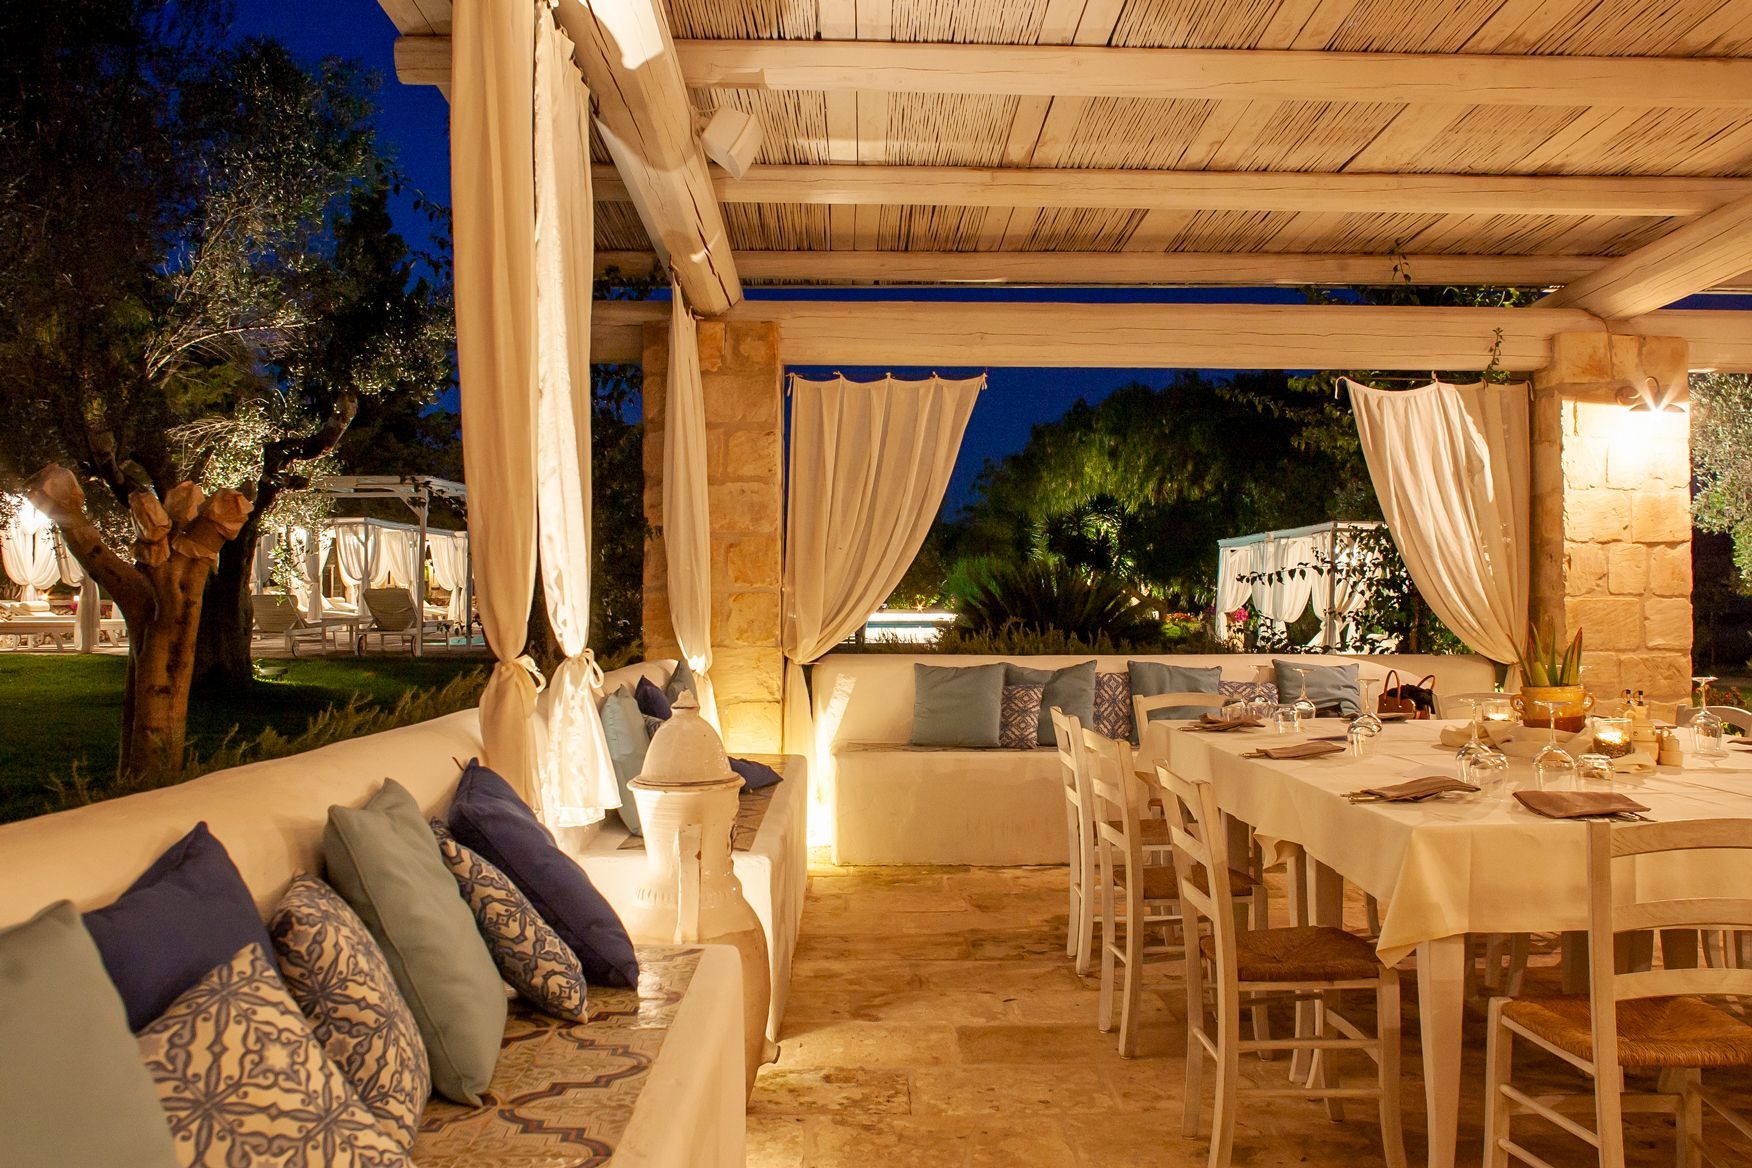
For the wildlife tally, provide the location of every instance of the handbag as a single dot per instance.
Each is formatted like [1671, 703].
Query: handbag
[1417, 700]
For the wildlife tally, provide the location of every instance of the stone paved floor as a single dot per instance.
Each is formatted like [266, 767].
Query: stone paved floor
[935, 1021]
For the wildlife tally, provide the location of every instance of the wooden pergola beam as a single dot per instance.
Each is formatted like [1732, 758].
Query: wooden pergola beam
[1092, 268]
[1188, 190]
[951, 334]
[1191, 74]
[1700, 255]
[1215, 74]
[644, 118]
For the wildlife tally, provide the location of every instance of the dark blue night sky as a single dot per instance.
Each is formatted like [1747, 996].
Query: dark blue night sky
[414, 124]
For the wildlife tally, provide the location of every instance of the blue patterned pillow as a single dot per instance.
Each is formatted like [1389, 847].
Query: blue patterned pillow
[341, 980]
[1251, 691]
[1019, 717]
[1113, 708]
[529, 954]
[242, 1080]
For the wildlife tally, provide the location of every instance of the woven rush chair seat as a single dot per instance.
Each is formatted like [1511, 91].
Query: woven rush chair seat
[1300, 953]
[1152, 833]
[1652, 1032]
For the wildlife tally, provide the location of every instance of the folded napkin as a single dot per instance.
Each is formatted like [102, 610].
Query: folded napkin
[1578, 804]
[1459, 735]
[1215, 725]
[1411, 791]
[1299, 750]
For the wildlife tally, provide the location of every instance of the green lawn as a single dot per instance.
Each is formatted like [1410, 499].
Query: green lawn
[58, 710]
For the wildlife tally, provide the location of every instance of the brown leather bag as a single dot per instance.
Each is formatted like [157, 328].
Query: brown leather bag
[1417, 700]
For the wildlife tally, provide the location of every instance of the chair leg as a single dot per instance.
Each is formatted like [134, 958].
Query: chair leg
[1104, 1010]
[1228, 1074]
[1135, 933]
[1499, 1047]
[1324, 1073]
[1192, 1101]
[1609, 1114]
[1387, 1031]
[1688, 1123]
[1073, 876]
[1086, 916]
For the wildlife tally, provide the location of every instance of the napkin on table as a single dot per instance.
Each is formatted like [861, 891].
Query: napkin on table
[1410, 791]
[1299, 750]
[1577, 804]
[1217, 725]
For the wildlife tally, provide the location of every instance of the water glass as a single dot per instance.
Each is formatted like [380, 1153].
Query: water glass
[1594, 772]
[1234, 710]
[1359, 740]
[1286, 719]
[1484, 769]
[1709, 735]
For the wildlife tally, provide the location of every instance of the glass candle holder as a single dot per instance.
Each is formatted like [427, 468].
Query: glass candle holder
[1594, 772]
[1612, 737]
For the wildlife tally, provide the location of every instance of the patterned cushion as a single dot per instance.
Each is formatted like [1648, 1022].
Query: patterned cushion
[1252, 691]
[529, 954]
[342, 982]
[1113, 712]
[242, 1080]
[652, 725]
[1019, 721]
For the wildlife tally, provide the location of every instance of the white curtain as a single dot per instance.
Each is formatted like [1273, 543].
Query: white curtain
[450, 569]
[493, 208]
[72, 571]
[687, 522]
[1341, 592]
[575, 775]
[1233, 563]
[316, 553]
[27, 550]
[1285, 597]
[869, 464]
[398, 554]
[1450, 464]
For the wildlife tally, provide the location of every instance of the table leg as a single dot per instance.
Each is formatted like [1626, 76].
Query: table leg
[1441, 1003]
[1325, 893]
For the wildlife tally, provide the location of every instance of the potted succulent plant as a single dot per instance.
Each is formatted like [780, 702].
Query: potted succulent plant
[1551, 682]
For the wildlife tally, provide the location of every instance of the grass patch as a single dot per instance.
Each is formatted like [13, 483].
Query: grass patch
[61, 715]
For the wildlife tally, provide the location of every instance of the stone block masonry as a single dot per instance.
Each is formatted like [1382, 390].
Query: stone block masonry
[743, 381]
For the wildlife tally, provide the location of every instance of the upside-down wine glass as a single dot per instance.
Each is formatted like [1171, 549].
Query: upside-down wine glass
[1368, 719]
[1708, 730]
[1554, 768]
[1305, 708]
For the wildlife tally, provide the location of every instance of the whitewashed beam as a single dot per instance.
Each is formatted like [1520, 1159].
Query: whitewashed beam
[1175, 336]
[1193, 74]
[1206, 269]
[1700, 255]
[1450, 194]
[1216, 74]
[643, 115]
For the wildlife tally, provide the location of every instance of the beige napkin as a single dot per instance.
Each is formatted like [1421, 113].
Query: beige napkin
[1299, 750]
[1217, 725]
[1577, 804]
[1412, 790]
[1458, 736]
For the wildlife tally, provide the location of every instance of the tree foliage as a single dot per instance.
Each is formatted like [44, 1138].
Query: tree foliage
[1721, 437]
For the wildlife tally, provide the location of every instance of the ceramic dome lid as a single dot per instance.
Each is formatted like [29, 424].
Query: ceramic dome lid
[685, 751]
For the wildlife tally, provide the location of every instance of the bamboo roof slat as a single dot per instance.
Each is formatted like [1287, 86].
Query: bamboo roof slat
[743, 20]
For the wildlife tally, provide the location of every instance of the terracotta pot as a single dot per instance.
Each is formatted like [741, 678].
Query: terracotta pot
[1572, 713]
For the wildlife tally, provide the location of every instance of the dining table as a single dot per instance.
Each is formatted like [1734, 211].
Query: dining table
[1448, 867]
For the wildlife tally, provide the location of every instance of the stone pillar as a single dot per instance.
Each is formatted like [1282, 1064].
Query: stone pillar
[743, 379]
[1611, 515]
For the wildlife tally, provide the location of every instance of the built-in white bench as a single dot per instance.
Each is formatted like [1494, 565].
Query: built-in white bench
[893, 803]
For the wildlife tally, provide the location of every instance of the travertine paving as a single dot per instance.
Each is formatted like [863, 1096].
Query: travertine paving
[935, 1021]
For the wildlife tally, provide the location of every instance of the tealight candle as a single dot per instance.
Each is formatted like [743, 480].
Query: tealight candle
[1612, 737]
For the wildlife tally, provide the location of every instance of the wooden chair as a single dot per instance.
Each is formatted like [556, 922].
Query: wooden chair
[1150, 903]
[1732, 715]
[1079, 838]
[277, 615]
[393, 616]
[1657, 1021]
[1305, 964]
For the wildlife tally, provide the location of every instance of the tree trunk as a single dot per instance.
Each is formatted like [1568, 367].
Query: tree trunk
[163, 666]
[222, 656]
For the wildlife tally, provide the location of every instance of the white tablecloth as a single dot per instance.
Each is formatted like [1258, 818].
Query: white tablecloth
[774, 873]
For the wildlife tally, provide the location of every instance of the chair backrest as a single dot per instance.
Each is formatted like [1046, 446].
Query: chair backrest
[1067, 733]
[1614, 907]
[1201, 847]
[391, 609]
[274, 613]
[1732, 715]
[1143, 707]
[1107, 765]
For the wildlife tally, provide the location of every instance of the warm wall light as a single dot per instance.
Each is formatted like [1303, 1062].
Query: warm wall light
[1649, 397]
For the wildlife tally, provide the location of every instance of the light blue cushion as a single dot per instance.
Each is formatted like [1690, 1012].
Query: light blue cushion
[680, 682]
[1329, 686]
[623, 724]
[72, 1087]
[1149, 678]
[958, 706]
[1071, 689]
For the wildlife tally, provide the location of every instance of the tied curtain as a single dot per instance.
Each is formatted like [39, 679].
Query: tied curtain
[355, 552]
[1450, 464]
[398, 555]
[30, 553]
[492, 174]
[687, 524]
[1286, 594]
[1233, 563]
[575, 776]
[450, 570]
[870, 462]
[1340, 592]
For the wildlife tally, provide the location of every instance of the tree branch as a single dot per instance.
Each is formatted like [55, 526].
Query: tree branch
[55, 491]
[284, 452]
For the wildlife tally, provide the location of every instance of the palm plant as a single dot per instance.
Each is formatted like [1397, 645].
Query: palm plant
[1543, 665]
[1040, 598]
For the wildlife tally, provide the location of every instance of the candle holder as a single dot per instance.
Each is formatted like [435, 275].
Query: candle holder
[1612, 737]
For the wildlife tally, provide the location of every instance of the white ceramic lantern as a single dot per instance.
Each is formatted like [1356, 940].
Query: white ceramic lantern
[687, 805]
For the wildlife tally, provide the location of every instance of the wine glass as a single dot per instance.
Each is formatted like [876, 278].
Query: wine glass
[1368, 719]
[1477, 742]
[1708, 730]
[1554, 768]
[1286, 719]
[1304, 704]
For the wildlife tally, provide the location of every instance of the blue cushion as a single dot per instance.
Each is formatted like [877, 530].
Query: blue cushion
[755, 775]
[1149, 678]
[187, 913]
[1071, 689]
[680, 682]
[624, 727]
[1330, 687]
[957, 706]
[652, 700]
[488, 817]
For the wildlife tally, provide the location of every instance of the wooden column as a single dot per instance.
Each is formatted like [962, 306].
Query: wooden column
[742, 374]
[1611, 522]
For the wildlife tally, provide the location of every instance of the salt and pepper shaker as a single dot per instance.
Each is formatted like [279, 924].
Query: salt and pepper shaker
[1671, 753]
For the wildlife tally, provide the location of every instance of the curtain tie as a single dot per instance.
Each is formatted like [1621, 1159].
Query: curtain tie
[534, 671]
[592, 670]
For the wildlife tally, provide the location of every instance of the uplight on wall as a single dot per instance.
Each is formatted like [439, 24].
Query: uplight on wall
[1649, 397]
